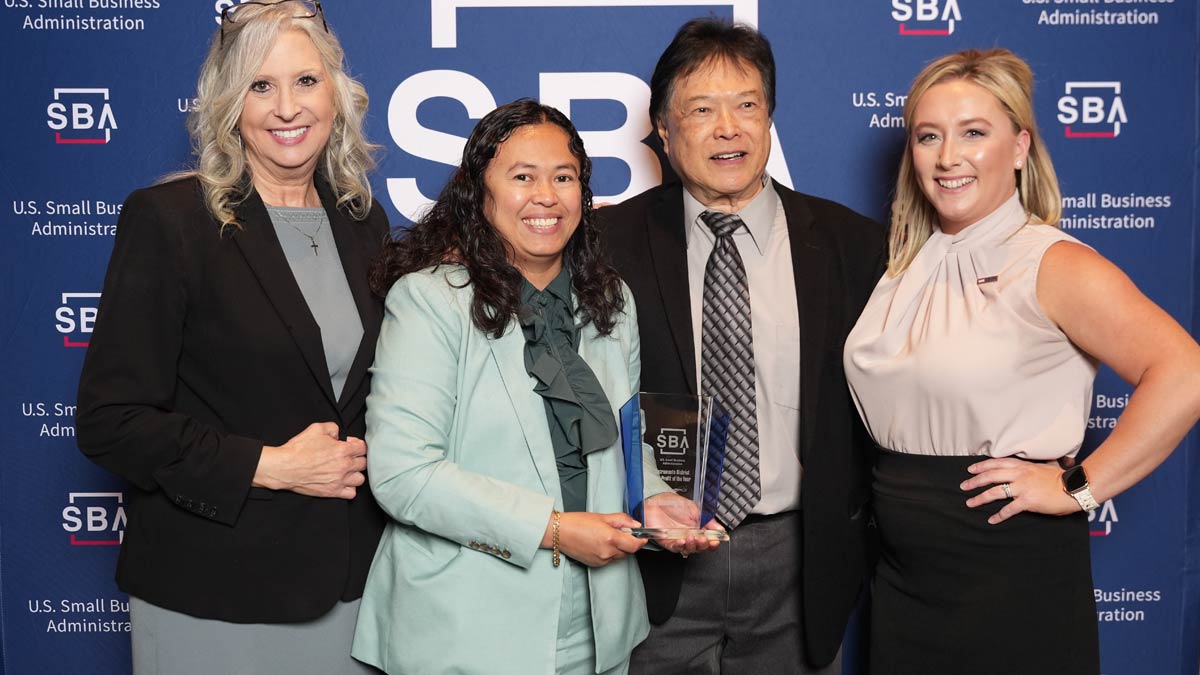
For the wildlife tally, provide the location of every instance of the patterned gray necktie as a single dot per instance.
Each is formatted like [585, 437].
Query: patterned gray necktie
[727, 366]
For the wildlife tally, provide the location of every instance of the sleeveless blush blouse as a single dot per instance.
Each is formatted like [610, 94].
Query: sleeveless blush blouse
[956, 357]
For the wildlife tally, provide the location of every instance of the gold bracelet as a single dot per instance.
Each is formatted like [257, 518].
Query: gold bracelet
[554, 538]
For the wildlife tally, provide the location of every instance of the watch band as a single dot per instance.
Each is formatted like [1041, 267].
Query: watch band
[1086, 501]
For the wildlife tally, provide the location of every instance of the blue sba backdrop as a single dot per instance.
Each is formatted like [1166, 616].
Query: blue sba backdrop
[97, 96]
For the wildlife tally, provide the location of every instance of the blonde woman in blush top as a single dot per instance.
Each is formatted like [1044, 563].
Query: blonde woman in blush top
[972, 367]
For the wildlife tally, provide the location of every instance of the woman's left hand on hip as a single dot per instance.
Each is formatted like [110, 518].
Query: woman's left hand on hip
[1026, 486]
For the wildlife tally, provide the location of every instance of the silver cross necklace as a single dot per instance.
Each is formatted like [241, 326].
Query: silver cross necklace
[312, 238]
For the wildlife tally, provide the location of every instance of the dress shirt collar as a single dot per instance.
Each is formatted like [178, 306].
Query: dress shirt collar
[758, 215]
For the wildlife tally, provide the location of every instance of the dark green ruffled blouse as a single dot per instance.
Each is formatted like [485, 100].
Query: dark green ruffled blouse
[577, 410]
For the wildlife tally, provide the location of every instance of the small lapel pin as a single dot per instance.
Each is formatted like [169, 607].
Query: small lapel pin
[985, 280]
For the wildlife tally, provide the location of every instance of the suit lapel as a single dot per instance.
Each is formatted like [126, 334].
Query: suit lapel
[354, 264]
[810, 265]
[668, 253]
[508, 352]
[261, 249]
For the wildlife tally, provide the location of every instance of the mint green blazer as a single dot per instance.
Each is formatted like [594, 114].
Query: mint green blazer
[459, 455]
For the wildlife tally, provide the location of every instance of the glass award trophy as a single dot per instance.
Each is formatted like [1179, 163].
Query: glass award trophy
[677, 440]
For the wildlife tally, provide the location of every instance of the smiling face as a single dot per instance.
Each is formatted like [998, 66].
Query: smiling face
[534, 199]
[288, 113]
[716, 132]
[965, 152]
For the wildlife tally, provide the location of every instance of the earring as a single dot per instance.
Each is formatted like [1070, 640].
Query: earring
[1019, 163]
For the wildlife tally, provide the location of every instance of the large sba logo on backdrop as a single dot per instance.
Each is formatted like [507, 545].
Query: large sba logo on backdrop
[558, 89]
[81, 116]
[1092, 110]
[926, 17]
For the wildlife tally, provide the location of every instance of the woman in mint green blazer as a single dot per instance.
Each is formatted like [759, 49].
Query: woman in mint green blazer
[506, 350]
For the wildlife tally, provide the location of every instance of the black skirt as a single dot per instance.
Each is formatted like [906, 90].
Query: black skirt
[953, 594]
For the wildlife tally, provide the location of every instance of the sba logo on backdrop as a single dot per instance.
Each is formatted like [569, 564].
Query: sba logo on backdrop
[81, 116]
[76, 317]
[1091, 110]
[926, 17]
[95, 518]
[620, 137]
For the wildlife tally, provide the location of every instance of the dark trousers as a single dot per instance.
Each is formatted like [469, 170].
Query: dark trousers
[739, 609]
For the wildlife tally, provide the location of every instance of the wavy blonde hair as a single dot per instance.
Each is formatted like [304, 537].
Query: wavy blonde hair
[1010, 80]
[226, 76]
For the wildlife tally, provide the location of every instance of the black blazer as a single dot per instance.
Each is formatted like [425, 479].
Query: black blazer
[837, 256]
[203, 351]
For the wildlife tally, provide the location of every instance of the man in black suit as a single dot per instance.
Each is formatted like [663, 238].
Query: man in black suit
[754, 309]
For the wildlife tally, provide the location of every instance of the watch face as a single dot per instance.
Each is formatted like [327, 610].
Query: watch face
[1075, 479]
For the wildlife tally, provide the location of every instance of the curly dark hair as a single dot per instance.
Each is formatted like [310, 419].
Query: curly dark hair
[455, 230]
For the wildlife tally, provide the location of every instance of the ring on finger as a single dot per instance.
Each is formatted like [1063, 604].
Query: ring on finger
[1007, 487]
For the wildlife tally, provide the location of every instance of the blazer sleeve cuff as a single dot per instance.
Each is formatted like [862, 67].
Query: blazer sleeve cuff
[522, 542]
[216, 490]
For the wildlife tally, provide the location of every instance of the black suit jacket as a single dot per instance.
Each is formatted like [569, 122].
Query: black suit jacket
[203, 351]
[837, 256]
